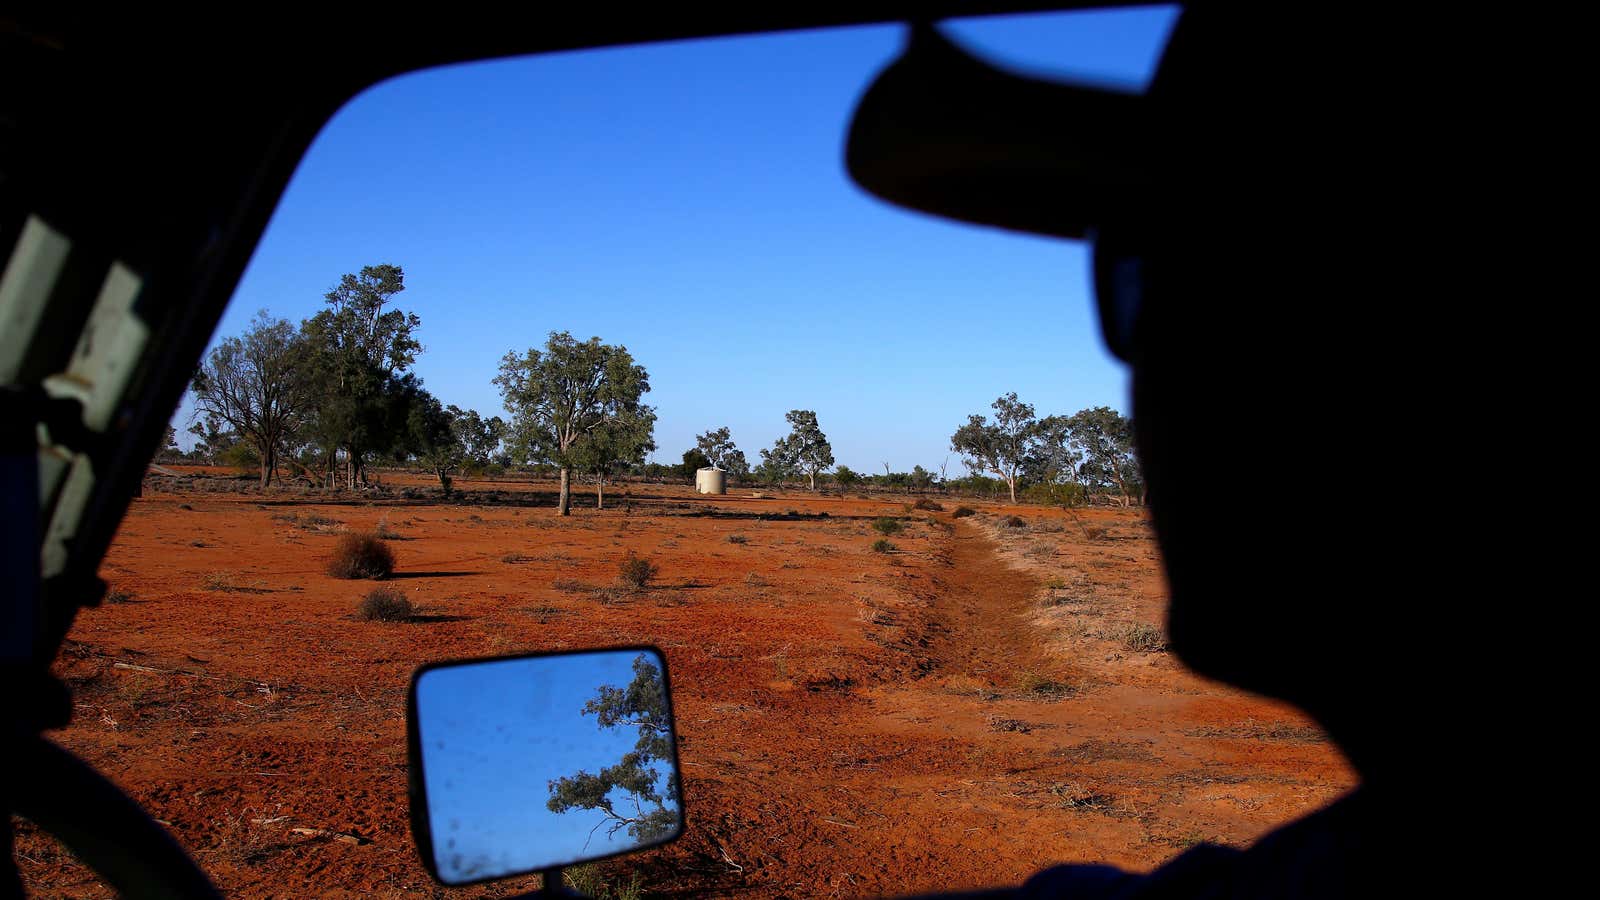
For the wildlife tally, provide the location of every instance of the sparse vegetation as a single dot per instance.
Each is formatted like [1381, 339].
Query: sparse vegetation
[887, 525]
[590, 881]
[882, 545]
[636, 572]
[1013, 522]
[962, 512]
[361, 554]
[925, 503]
[515, 558]
[385, 604]
[117, 595]
[1041, 686]
[232, 582]
[737, 539]
[1144, 638]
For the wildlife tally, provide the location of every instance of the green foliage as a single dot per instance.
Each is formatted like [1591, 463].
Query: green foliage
[1056, 493]
[694, 459]
[887, 525]
[361, 554]
[882, 545]
[642, 704]
[636, 572]
[1000, 447]
[251, 384]
[1106, 439]
[355, 361]
[846, 476]
[804, 450]
[718, 449]
[384, 604]
[575, 404]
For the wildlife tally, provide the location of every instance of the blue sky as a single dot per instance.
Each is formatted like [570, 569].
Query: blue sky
[493, 735]
[689, 201]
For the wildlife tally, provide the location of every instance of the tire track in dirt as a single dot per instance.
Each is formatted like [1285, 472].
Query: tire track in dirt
[977, 625]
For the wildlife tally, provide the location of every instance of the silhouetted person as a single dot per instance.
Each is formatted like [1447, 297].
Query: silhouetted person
[1244, 271]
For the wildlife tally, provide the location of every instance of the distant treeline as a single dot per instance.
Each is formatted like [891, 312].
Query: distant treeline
[323, 402]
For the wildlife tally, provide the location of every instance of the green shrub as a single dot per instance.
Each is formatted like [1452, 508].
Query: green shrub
[636, 572]
[962, 512]
[385, 604]
[887, 525]
[925, 503]
[882, 545]
[361, 554]
[1013, 522]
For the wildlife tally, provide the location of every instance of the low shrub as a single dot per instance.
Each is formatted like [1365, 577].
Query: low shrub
[882, 545]
[636, 572]
[737, 539]
[925, 503]
[116, 595]
[385, 604]
[1013, 522]
[962, 512]
[887, 525]
[1143, 638]
[361, 554]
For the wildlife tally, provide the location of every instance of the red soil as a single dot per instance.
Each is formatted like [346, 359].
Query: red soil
[851, 722]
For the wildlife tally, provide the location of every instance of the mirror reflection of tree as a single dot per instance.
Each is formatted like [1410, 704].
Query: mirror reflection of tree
[640, 792]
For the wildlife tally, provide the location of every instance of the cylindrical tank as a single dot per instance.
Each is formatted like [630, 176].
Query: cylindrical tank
[711, 480]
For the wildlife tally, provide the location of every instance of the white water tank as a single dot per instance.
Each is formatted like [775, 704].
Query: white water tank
[711, 480]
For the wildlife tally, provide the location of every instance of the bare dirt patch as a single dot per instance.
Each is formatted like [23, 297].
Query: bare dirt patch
[852, 723]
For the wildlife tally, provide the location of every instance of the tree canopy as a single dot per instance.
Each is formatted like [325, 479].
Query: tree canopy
[640, 792]
[562, 398]
[804, 450]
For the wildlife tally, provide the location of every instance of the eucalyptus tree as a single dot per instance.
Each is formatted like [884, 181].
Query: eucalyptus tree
[254, 385]
[1001, 446]
[562, 398]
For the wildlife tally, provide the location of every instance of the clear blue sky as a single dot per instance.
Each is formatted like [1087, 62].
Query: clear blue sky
[493, 736]
[689, 200]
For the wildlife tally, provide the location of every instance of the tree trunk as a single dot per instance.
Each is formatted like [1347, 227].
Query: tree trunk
[1012, 484]
[266, 469]
[564, 504]
[600, 492]
[813, 477]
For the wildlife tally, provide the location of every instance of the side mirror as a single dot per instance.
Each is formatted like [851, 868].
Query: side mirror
[531, 763]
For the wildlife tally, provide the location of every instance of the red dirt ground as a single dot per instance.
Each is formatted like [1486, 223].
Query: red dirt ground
[960, 712]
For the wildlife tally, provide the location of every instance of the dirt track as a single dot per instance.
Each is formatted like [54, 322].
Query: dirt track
[957, 713]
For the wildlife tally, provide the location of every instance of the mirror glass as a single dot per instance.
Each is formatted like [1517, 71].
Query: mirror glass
[535, 762]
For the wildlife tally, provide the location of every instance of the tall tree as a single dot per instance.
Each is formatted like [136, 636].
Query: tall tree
[638, 776]
[434, 437]
[254, 384]
[718, 447]
[617, 444]
[559, 397]
[479, 437]
[1000, 447]
[357, 348]
[694, 459]
[1105, 437]
[804, 449]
